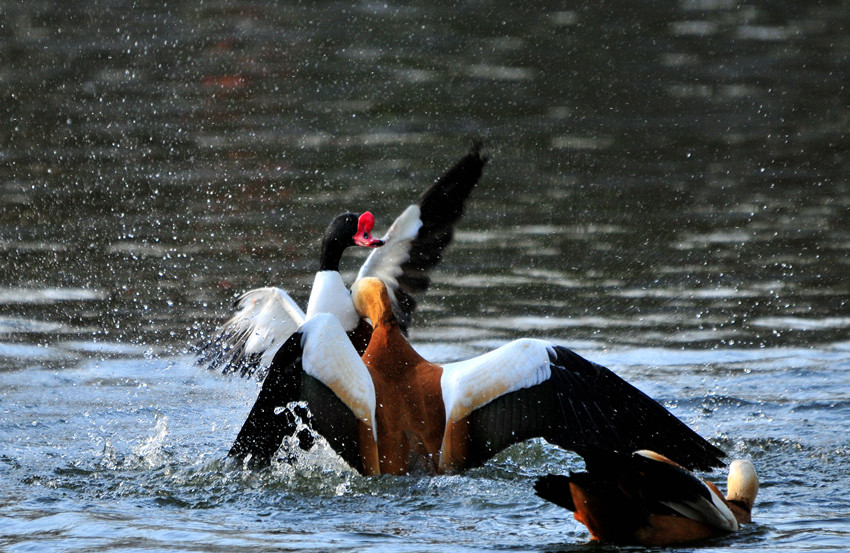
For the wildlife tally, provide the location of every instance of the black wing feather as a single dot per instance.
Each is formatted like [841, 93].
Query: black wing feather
[622, 417]
[645, 478]
[226, 352]
[441, 206]
[635, 485]
[334, 421]
[585, 405]
[509, 419]
[267, 425]
[274, 416]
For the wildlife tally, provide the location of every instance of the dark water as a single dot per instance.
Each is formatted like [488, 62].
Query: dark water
[668, 195]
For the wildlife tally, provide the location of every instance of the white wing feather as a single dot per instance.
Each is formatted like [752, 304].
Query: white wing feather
[468, 385]
[267, 317]
[713, 513]
[385, 262]
[329, 357]
[273, 315]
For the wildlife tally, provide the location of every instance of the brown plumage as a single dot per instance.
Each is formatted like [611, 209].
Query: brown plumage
[647, 499]
[392, 412]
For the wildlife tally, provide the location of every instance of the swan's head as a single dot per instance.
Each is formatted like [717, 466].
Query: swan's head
[346, 230]
[363, 234]
[350, 229]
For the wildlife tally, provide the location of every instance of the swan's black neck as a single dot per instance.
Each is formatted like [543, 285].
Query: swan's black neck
[338, 236]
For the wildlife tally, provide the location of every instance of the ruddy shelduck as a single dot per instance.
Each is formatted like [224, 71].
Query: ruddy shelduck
[390, 411]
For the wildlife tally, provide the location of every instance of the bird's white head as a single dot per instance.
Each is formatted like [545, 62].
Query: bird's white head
[743, 483]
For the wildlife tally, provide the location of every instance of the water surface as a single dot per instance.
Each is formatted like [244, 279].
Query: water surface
[667, 195]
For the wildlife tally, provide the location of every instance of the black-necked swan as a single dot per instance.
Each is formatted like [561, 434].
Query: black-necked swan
[410, 249]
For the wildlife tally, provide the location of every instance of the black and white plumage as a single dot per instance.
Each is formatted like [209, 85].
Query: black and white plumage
[403, 258]
[391, 411]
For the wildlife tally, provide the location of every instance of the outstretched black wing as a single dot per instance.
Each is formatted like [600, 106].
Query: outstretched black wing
[441, 207]
[582, 405]
[289, 394]
[415, 242]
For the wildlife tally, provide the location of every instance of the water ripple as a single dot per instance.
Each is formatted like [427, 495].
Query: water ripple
[48, 295]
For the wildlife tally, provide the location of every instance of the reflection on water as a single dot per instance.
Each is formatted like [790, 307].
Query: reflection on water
[667, 193]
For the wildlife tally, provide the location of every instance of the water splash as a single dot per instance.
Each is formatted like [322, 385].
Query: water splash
[150, 451]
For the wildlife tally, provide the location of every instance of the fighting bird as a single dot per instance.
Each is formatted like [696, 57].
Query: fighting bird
[644, 498]
[390, 411]
[403, 259]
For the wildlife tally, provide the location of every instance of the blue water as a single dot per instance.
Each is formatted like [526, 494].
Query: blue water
[128, 453]
[667, 195]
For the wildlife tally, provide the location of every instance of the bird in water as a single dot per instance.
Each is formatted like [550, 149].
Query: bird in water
[390, 411]
[644, 498]
[402, 258]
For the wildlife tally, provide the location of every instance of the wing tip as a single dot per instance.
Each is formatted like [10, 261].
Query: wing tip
[671, 435]
[476, 149]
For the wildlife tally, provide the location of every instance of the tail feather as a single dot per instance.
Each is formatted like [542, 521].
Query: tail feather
[556, 489]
